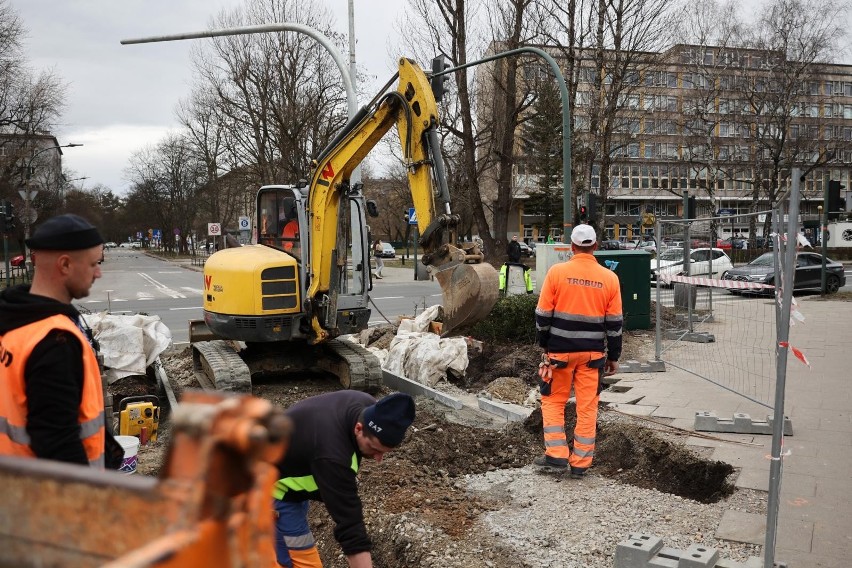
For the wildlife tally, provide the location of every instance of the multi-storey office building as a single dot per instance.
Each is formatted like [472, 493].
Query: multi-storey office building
[723, 124]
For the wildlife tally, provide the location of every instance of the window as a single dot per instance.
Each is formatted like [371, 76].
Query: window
[671, 80]
[633, 150]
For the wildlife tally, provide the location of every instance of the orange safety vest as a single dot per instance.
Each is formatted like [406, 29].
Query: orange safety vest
[15, 348]
[579, 308]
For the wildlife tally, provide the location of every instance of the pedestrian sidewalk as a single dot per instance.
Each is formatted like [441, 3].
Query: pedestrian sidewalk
[816, 484]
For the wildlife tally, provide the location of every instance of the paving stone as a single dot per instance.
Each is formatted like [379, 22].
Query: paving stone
[742, 527]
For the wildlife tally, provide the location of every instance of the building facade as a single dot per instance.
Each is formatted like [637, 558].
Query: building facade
[724, 125]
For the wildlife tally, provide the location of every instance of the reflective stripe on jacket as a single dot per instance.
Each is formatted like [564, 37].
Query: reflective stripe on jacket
[305, 484]
[16, 347]
[579, 308]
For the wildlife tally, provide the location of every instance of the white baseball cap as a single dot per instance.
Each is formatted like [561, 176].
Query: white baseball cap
[583, 235]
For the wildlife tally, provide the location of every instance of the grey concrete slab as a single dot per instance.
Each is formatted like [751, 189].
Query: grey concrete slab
[635, 409]
[742, 527]
[668, 411]
[750, 478]
[796, 535]
[620, 397]
[742, 457]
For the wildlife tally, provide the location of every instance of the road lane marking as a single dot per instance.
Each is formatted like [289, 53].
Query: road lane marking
[189, 308]
[162, 288]
[198, 291]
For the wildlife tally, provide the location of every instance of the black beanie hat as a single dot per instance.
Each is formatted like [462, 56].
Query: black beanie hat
[65, 232]
[389, 418]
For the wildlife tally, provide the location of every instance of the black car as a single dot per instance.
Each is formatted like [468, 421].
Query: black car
[610, 245]
[808, 272]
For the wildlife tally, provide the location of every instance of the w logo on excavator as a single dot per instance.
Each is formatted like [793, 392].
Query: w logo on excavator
[328, 171]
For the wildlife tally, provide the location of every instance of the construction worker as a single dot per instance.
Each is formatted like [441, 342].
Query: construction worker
[51, 396]
[504, 276]
[333, 432]
[579, 324]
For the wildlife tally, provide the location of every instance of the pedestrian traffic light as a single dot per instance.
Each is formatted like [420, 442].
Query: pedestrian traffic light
[835, 203]
[439, 64]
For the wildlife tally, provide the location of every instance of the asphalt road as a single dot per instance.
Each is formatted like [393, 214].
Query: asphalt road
[133, 282]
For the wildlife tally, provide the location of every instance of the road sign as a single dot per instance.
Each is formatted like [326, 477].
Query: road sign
[214, 229]
[158, 234]
[244, 223]
[412, 216]
[725, 212]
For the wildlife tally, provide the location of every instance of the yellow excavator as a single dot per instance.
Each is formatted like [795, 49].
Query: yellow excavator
[307, 280]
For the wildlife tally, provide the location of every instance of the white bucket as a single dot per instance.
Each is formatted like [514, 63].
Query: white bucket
[131, 447]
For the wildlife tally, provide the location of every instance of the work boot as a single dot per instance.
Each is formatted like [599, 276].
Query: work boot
[549, 464]
[577, 472]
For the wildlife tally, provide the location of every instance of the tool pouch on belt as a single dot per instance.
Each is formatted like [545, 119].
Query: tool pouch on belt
[599, 365]
[545, 373]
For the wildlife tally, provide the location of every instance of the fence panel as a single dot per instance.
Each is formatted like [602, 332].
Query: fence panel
[721, 330]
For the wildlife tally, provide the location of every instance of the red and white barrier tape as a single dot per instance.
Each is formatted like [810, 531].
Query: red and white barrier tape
[717, 282]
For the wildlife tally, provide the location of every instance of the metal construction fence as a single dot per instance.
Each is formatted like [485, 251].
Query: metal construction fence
[715, 325]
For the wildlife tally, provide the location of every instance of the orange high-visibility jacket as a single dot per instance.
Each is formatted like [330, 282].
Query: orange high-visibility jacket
[15, 348]
[579, 308]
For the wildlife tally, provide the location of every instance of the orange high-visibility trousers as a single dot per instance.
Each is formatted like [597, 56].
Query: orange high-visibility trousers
[585, 380]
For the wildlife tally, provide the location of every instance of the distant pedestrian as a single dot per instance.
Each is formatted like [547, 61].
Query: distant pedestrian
[379, 250]
[579, 325]
[51, 395]
[513, 250]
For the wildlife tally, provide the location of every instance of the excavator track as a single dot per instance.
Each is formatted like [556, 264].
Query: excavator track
[355, 367]
[218, 361]
[227, 370]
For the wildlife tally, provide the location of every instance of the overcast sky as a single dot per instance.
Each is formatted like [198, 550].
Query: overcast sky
[122, 98]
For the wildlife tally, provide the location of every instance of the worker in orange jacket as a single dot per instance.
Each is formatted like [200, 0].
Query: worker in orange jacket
[579, 325]
[51, 397]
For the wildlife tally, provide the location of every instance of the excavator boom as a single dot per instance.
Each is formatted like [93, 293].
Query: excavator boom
[470, 287]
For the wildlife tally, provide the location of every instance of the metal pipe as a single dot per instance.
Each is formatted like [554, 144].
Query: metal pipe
[775, 464]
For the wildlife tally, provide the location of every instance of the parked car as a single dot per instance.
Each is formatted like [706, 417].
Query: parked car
[808, 273]
[526, 250]
[131, 245]
[730, 243]
[387, 251]
[610, 244]
[110, 245]
[649, 246]
[670, 263]
[17, 261]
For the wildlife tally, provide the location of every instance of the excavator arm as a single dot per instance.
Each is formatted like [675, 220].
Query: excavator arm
[470, 290]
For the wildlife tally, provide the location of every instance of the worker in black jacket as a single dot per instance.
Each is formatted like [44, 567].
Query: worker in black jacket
[332, 433]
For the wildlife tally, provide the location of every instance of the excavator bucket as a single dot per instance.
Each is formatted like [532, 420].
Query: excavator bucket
[470, 291]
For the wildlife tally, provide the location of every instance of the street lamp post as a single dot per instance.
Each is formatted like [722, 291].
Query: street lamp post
[28, 195]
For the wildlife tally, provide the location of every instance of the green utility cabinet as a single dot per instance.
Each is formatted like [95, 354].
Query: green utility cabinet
[633, 268]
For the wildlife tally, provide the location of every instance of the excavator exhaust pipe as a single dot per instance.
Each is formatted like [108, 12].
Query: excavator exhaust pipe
[470, 291]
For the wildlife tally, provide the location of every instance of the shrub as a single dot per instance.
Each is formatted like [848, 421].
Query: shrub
[512, 318]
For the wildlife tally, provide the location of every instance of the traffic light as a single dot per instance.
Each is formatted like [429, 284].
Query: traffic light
[439, 64]
[690, 207]
[8, 217]
[593, 206]
[835, 202]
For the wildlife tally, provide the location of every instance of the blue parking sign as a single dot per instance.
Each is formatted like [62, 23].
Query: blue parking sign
[412, 216]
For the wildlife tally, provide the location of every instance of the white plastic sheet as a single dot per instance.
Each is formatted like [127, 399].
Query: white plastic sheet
[129, 343]
[425, 357]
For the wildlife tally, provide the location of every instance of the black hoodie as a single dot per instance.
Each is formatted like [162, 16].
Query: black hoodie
[53, 378]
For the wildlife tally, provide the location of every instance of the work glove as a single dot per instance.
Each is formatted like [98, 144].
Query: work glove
[545, 375]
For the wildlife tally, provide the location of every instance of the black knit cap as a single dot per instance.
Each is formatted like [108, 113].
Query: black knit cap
[389, 418]
[65, 232]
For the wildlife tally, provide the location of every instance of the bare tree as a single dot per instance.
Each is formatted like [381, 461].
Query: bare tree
[30, 103]
[169, 180]
[784, 95]
[279, 96]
